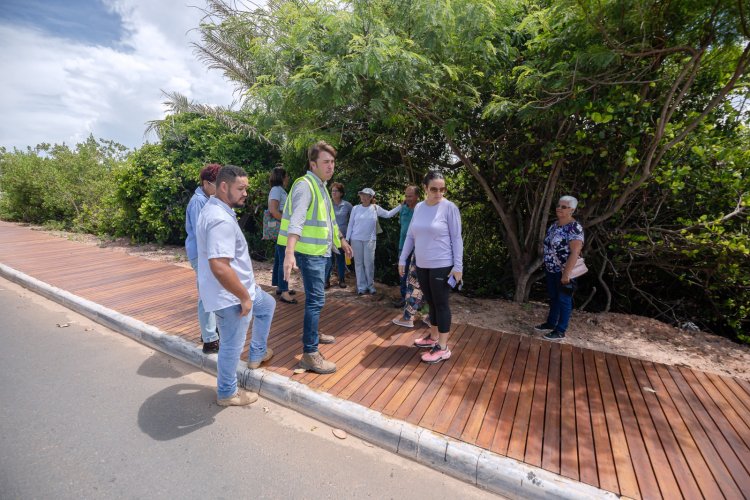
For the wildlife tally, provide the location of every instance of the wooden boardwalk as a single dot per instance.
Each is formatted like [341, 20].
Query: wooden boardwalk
[632, 427]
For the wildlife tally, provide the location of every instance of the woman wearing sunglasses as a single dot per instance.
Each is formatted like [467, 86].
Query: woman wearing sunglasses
[562, 247]
[435, 236]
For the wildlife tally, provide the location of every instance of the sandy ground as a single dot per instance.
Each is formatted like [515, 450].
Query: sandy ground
[629, 335]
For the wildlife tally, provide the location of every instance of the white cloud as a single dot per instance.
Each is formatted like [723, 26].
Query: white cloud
[57, 90]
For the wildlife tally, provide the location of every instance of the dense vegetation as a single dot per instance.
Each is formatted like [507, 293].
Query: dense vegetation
[637, 108]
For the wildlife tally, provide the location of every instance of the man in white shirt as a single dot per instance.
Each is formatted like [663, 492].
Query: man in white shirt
[227, 287]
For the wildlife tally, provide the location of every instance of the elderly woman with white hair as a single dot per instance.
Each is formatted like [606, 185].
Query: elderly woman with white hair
[562, 247]
[362, 235]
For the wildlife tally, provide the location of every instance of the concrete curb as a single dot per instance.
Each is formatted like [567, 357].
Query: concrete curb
[467, 462]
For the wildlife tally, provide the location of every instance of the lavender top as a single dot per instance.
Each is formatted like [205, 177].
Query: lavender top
[435, 236]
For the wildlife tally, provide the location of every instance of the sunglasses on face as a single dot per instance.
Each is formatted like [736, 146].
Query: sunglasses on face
[434, 189]
[563, 207]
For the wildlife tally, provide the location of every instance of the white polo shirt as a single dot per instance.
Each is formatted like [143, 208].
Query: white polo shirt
[219, 236]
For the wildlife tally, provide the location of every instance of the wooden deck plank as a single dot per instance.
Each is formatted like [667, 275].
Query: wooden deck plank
[495, 405]
[465, 365]
[605, 463]
[371, 362]
[727, 403]
[568, 440]
[412, 389]
[462, 383]
[674, 476]
[551, 448]
[535, 441]
[390, 393]
[469, 429]
[397, 356]
[415, 405]
[520, 425]
[718, 425]
[639, 458]
[673, 382]
[586, 451]
[621, 453]
[738, 394]
[455, 425]
[701, 473]
[659, 462]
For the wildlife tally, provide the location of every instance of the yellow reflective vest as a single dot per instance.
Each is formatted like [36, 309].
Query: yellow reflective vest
[314, 237]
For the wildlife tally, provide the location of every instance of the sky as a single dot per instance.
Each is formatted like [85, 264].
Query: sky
[72, 68]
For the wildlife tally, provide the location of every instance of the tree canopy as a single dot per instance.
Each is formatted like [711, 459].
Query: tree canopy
[629, 105]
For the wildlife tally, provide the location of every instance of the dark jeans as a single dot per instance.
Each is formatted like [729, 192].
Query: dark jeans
[560, 301]
[340, 263]
[405, 277]
[277, 276]
[313, 270]
[436, 292]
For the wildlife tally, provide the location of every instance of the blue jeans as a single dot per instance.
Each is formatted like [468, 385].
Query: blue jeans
[313, 270]
[405, 277]
[233, 333]
[560, 301]
[340, 265]
[277, 276]
[207, 320]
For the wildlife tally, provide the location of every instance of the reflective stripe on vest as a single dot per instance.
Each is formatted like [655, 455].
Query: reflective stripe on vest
[314, 237]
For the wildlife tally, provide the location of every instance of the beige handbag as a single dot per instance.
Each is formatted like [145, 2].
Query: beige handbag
[579, 269]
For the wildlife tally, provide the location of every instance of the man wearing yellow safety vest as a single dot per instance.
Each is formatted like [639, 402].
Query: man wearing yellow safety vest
[310, 233]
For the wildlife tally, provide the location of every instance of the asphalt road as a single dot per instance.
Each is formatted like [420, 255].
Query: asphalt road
[88, 413]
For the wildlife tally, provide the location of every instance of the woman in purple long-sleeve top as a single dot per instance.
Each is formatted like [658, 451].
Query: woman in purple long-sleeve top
[435, 236]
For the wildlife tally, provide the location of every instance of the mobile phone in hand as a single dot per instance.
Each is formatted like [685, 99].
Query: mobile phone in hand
[452, 281]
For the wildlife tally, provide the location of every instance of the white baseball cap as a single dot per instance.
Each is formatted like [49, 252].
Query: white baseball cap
[367, 191]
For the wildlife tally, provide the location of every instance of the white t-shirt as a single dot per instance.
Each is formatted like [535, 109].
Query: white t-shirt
[219, 236]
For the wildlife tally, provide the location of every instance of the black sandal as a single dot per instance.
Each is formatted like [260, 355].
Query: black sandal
[290, 292]
[293, 301]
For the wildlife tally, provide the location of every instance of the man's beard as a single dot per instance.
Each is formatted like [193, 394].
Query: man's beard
[239, 203]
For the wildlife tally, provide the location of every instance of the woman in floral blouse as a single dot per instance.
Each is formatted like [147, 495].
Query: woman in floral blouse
[562, 247]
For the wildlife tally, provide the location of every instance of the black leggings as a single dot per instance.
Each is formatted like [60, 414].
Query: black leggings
[436, 292]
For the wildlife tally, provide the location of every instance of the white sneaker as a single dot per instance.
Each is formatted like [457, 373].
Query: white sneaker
[403, 322]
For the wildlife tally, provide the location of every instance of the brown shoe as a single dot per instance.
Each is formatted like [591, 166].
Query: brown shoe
[326, 339]
[256, 364]
[240, 398]
[315, 362]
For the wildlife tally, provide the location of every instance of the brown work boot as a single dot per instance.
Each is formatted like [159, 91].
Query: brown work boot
[240, 398]
[326, 339]
[256, 364]
[315, 362]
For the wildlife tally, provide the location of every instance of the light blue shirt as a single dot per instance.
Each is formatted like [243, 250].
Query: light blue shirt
[363, 220]
[342, 211]
[277, 193]
[219, 236]
[192, 212]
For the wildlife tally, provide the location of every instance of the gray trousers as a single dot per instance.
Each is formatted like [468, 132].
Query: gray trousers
[364, 264]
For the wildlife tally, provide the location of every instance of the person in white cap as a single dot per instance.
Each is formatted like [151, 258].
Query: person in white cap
[362, 235]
